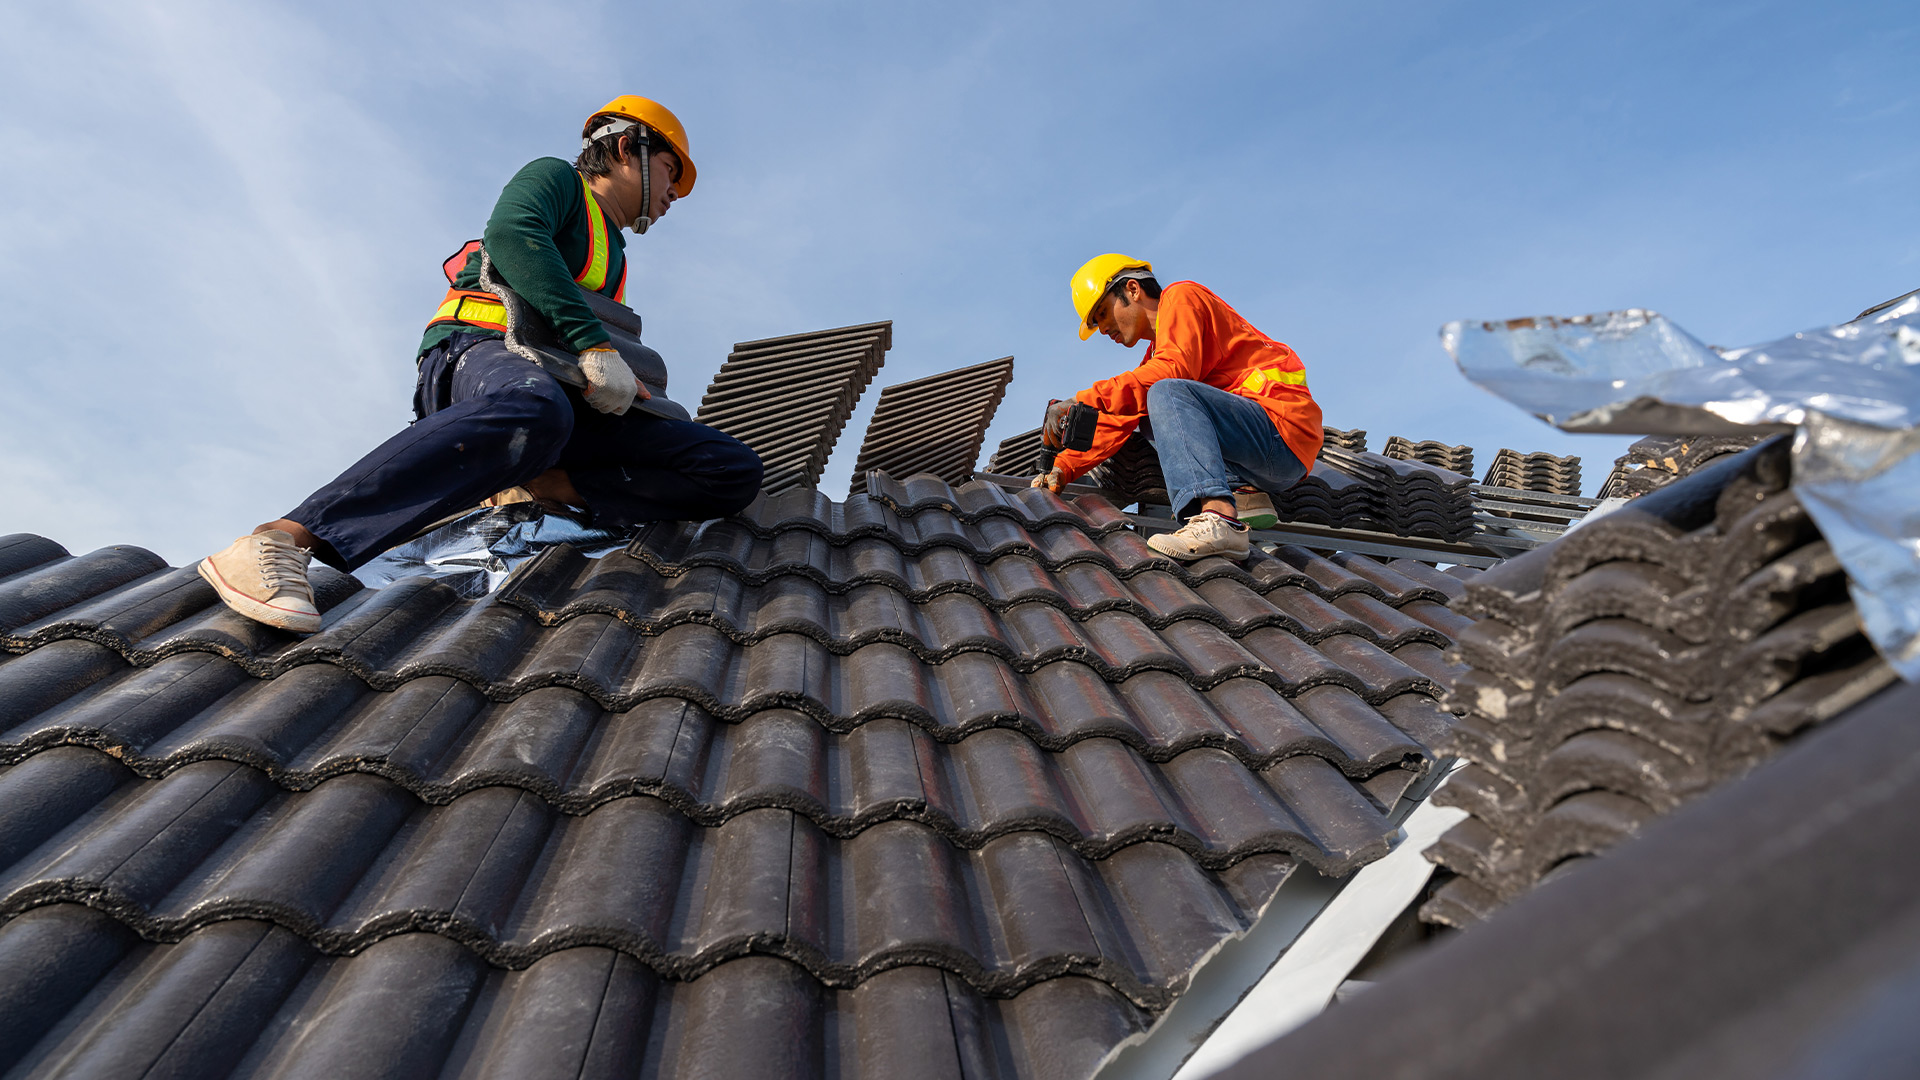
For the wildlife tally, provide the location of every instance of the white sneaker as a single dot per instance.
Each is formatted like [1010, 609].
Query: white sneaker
[1254, 508]
[264, 577]
[1204, 534]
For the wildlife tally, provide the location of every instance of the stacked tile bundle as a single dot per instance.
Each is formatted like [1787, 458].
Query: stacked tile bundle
[789, 397]
[1636, 663]
[1540, 471]
[1358, 490]
[1355, 439]
[933, 776]
[1451, 458]
[1132, 474]
[1658, 460]
[933, 425]
[1020, 455]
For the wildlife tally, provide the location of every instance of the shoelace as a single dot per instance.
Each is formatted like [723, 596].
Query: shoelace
[282, 564]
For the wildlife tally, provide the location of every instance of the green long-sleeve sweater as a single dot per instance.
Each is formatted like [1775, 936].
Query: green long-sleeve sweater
[537, 238]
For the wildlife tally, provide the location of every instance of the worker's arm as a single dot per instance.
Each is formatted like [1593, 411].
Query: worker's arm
[539, 202]
[1108, 437]
[1122, 400]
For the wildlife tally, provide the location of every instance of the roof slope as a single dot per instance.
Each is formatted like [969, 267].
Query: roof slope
[789, 397]
[946, 778]
[933, 425]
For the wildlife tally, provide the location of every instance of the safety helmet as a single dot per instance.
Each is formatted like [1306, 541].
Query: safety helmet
[657, 117]
[1096, 276]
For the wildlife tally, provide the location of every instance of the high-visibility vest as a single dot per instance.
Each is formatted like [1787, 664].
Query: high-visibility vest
[477, 307]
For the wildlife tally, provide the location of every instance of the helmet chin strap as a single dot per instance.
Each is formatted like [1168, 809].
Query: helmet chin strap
[642, 221]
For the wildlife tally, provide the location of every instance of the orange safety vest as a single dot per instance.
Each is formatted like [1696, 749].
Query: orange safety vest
[477, 307]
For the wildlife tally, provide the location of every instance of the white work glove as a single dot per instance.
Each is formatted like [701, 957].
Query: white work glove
[1051, 480]
[610, 383]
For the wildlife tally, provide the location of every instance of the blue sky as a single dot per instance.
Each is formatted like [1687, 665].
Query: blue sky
[221, 223]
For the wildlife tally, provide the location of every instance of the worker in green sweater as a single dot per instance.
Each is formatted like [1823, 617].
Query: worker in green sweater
[494, 426]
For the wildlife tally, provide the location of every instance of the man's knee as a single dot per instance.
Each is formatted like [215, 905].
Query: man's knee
[1167, 391]
[734, 476]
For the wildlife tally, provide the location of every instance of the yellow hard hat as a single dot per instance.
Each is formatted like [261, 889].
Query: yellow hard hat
[660, 120]
[1094, 278]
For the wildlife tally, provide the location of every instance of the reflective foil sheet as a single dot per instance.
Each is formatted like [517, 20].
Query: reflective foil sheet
[475, 553]
[1851, 390]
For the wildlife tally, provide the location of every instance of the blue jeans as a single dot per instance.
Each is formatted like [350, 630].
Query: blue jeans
[1210, 440]
[491, 421]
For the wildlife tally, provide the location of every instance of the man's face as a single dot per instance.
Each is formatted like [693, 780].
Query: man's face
[1126, 323]
[666, 173]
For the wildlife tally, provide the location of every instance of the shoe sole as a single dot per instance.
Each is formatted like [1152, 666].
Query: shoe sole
[298, 622]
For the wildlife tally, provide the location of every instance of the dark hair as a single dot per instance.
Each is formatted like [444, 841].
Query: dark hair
[1147, 285]
[599, 157]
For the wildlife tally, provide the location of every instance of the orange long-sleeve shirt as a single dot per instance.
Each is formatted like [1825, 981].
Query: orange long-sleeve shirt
[1197, 336]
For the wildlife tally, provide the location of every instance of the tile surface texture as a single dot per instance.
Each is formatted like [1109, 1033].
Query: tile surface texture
[935, 781]
[1632, 665]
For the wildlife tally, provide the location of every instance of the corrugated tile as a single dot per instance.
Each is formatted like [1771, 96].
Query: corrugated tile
[248, 997]
[981, 746]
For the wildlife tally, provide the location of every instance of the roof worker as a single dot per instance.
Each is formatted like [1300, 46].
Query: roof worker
[1231, 416]
[488, 420]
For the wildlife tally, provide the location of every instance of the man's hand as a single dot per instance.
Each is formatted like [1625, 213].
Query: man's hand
[1051, 480]
[1053, 430]
[611, 386]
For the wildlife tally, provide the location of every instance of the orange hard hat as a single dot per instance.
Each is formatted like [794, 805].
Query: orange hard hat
[660, 120]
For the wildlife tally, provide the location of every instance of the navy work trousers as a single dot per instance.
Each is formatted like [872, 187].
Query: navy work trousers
[490, 420]
[1211, 440]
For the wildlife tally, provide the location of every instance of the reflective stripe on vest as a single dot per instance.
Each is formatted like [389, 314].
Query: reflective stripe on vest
[1259, 379]
[479, 308]
[593, 276]
[482, 309]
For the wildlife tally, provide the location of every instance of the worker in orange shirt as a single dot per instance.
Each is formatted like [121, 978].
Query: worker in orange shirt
[1231, 416]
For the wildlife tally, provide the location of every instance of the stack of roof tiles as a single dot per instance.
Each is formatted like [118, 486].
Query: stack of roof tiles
[1658, 460]
[1132, 474]
[933, 425]
[1451, 458]
[1635, 663]
[1020, 455]
[941, 782]
[1355, 440]
[789, 397]
[1358, 490]
[1539, 471]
